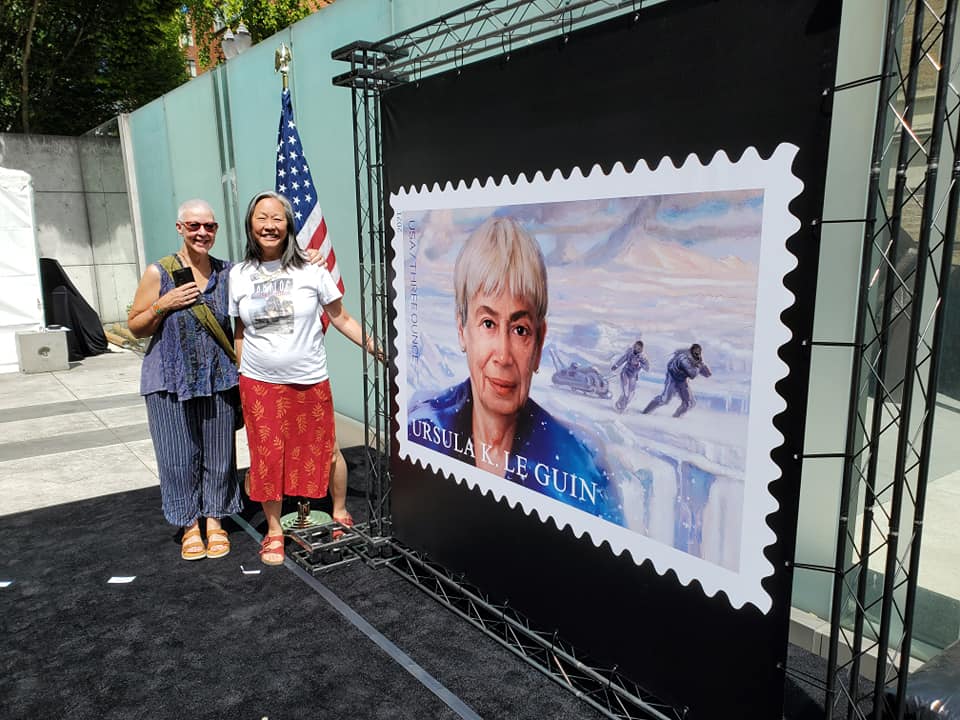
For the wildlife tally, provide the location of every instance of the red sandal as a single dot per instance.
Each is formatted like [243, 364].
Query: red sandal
[344, 520]
[269, 546]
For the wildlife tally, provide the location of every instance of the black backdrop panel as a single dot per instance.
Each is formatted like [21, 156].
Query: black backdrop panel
[685, 77]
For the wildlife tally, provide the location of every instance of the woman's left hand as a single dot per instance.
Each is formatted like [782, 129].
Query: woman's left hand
[313, 256]
[376, 350]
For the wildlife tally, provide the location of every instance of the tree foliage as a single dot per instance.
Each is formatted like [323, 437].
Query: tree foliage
[67, 66]
[263, 18]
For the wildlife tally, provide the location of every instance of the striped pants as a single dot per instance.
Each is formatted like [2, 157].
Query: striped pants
[196, 455]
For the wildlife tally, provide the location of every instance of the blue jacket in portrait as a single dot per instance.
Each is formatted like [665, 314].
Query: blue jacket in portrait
[546, 456]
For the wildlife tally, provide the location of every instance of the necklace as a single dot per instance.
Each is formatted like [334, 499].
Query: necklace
[265, 274]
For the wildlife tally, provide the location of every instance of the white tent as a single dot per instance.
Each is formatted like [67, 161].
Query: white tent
[21, 299]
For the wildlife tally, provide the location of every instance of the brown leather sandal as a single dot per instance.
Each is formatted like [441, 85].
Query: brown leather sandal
[218, 543]
[191, 546]
[272, 545]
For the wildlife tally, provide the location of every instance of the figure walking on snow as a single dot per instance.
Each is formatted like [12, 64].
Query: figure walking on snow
[682, 367]
[633, 361]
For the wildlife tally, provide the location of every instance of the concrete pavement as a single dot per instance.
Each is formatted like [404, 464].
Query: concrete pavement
[82, 433]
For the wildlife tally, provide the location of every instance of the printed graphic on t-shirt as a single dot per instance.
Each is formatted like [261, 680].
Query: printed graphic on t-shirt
[271, 304]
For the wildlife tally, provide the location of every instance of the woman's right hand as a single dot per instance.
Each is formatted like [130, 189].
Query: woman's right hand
[149, 306]
[179, 297]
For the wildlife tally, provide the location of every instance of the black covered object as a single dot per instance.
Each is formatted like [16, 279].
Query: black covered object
[933, 691]
[65, 306]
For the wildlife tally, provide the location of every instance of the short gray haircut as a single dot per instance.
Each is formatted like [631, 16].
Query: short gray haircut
[195, 204]
[501, 255]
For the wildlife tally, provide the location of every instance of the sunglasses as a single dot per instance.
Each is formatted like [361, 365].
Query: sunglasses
[194, 226]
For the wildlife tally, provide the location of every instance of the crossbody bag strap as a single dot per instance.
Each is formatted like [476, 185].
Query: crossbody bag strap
[203, 314]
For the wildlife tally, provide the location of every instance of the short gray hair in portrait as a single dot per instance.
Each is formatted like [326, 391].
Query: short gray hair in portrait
[501, 255]
[291, 255]
[195, 204]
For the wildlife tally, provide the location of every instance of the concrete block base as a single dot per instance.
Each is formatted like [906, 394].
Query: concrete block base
[42, 351]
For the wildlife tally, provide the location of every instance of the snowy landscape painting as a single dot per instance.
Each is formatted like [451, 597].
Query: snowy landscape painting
[659, 354]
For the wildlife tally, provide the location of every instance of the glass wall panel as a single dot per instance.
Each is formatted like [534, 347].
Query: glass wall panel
[194, 146]
[937, 620]
[848, 166]
[151, 160]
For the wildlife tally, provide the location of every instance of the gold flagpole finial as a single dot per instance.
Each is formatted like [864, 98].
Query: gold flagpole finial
[281, 62]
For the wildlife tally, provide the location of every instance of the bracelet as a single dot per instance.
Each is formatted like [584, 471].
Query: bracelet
[157, 310]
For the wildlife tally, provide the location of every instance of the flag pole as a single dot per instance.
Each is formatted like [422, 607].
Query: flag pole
[281, 62]
[304, 517]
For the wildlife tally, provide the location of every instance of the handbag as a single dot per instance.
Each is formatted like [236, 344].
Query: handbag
[205, 317]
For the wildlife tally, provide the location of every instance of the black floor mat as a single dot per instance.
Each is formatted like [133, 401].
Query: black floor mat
[204, 640]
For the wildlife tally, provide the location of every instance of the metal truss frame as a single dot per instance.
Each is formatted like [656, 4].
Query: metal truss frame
[485, 28]
[317, 551]
[374, 301]
[877, 559]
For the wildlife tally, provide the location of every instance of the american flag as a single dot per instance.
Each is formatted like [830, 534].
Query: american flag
[294, 182]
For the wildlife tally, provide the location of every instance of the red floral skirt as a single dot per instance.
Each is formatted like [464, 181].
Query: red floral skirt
[291, 433]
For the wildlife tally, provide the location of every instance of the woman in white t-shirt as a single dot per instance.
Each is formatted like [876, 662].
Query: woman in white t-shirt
[277, 299]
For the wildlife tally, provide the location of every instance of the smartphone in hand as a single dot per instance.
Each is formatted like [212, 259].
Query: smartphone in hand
[182, 276]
